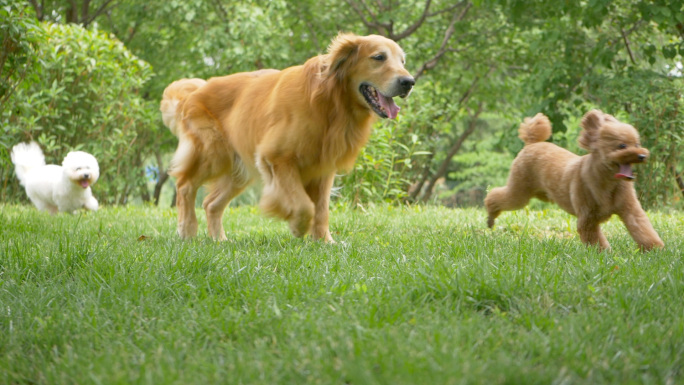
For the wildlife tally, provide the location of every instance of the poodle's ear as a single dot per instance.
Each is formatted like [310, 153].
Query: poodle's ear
[342, 54]
[591, 123]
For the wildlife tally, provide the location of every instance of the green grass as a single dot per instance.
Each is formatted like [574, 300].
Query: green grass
[420, 295]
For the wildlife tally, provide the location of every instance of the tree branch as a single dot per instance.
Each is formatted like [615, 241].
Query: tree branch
[374, 24]
[432, 62]
[629, 50]
[38, 8]
[102, 9]
[85, 8]
[412, 28]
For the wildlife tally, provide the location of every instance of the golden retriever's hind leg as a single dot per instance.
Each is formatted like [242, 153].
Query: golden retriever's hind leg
[222, 192]
[185, 201]
[319, 192]
[504, 199]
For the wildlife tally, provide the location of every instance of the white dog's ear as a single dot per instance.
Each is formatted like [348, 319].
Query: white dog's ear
[591, 123]
[342, 54]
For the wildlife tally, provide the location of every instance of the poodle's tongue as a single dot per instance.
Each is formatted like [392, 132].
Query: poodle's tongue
[625, 172]
[388, 105]
[84, 183]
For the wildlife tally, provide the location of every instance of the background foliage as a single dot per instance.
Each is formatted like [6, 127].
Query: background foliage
[481, 67]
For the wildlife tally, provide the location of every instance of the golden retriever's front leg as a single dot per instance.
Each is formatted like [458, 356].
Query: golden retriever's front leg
[284, 195]
[319, 191]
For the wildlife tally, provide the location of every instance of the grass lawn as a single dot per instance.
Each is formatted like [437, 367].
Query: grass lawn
[420, 295]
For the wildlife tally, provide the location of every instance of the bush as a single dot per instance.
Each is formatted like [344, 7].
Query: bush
[83, 96]
[19, 36]
[381, 172]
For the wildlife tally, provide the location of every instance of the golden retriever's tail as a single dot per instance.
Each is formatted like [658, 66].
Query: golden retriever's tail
[535, 129]
[173, 97]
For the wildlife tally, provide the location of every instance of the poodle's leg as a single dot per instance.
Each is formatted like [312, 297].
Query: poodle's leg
[284, 195]
[319, 192]
[222, 192]
[590, 232]
[185, 201]
[639, 226]
[505, 198]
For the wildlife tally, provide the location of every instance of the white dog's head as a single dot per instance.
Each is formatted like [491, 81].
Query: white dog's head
[81, 168]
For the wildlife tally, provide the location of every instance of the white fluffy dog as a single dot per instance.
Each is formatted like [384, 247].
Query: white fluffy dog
[53, 188]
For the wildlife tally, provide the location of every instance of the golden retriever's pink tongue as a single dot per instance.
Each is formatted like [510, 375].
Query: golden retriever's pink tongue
[84, 183]
[625, 172]
[389, 106]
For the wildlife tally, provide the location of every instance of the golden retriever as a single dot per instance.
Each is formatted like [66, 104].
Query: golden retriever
[293, 128]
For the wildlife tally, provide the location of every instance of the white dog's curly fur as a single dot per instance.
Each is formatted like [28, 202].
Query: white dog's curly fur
[54, 188]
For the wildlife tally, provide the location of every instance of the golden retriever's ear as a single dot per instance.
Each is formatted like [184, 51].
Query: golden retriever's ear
[342, 54]
[591, 122]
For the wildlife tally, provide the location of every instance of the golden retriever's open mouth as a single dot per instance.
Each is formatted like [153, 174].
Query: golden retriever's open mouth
[382, 105]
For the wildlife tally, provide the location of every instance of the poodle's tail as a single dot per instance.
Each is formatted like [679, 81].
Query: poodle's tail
[535, 129]
[173, 98]
[26, 156]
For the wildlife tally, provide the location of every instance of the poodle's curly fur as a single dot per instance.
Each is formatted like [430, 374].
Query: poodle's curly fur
[592, 187]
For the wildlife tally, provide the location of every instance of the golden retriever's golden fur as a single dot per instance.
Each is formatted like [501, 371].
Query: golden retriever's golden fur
[592, 187]
[293, 129]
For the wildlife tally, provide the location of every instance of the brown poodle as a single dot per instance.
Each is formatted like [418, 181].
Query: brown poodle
[592, 187]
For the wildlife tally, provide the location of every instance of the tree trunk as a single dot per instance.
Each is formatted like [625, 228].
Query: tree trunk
[163, 177]
[444, 167]
[144, 193]
[416, 189]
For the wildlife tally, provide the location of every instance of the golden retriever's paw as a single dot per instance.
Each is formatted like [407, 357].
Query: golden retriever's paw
[322, 235]
[187, 230]
[301, 222]
[220, 238]
[300, 228]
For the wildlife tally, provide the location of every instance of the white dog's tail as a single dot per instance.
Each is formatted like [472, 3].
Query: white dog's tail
[26, 156]
[173, 96]
[535, 129]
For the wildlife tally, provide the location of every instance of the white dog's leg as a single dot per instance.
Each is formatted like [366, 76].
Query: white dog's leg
[90, 201]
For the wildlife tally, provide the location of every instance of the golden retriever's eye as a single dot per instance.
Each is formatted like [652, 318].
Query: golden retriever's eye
[379, 57]
[622, 146]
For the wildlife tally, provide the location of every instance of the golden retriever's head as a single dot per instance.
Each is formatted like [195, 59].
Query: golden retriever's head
[615, 143]
[372, 67]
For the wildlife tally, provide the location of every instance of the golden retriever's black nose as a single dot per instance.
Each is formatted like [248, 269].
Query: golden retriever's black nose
[407, 83]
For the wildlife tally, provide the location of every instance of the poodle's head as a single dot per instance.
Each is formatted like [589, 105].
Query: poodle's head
[615, 143]
[81, 168]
